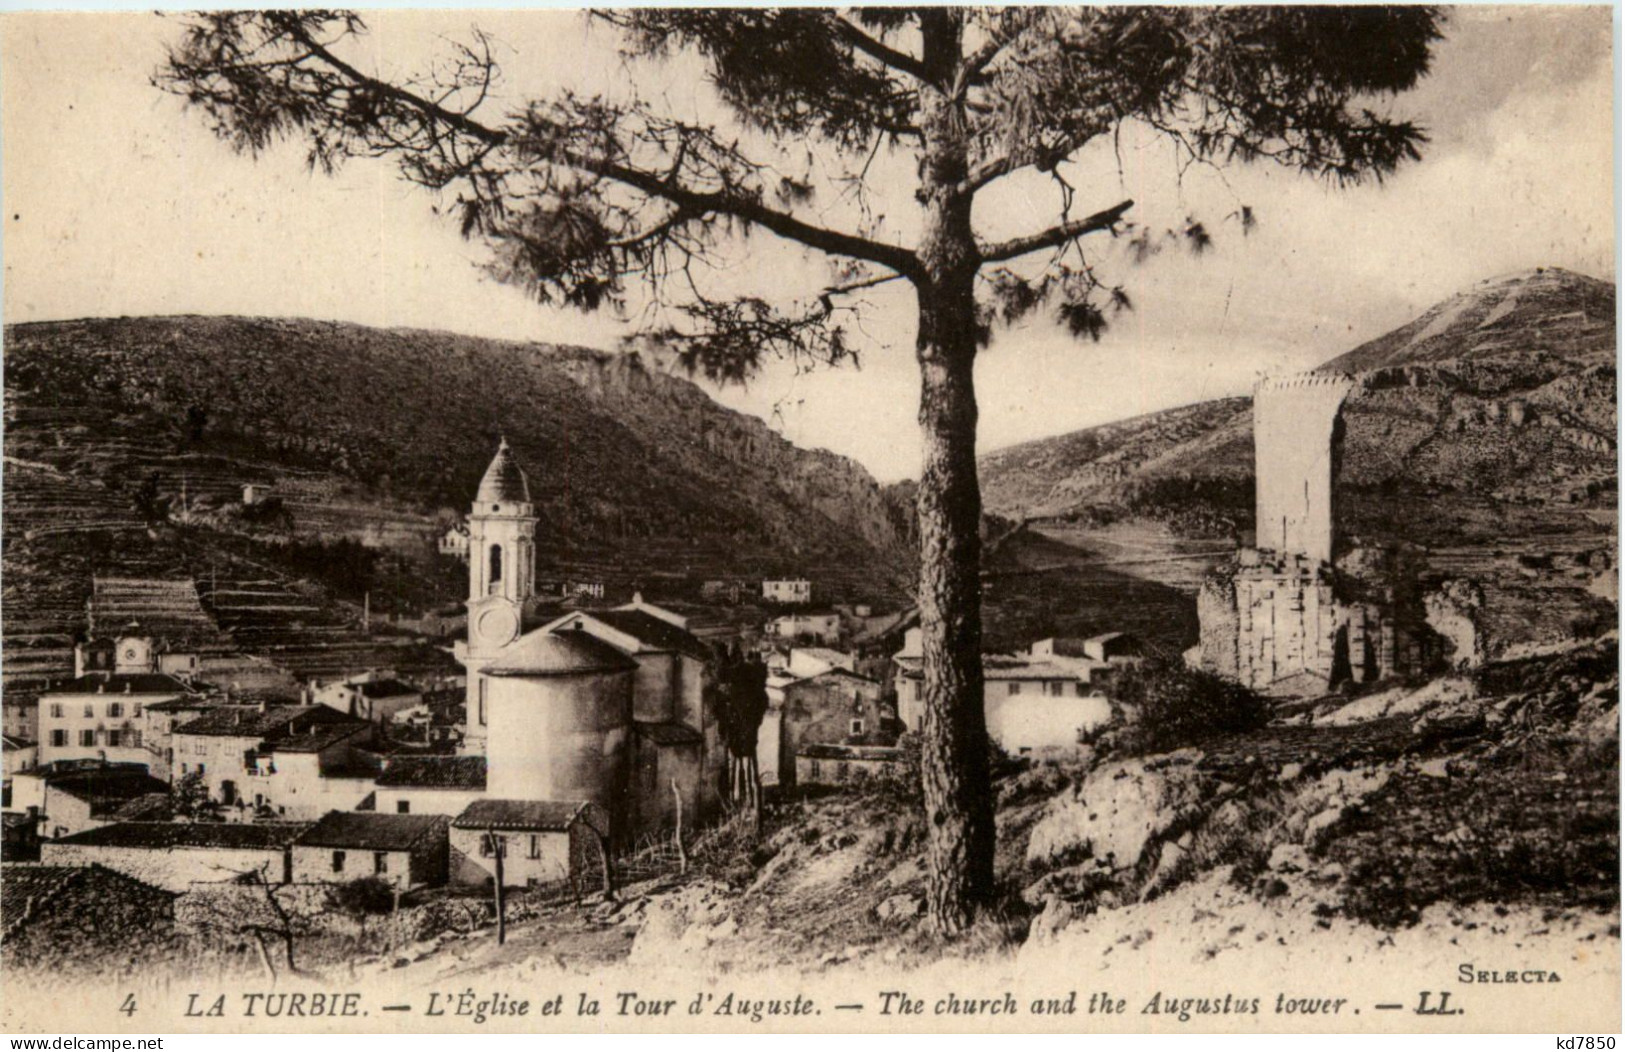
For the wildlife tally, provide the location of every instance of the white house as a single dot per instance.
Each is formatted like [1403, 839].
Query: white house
[430, 785]
[454, 542]
[823, 626]
[787, 590]
[1030, 703]
[99, 715]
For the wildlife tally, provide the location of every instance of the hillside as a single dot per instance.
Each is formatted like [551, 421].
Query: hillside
[1483, 430]
[128, 442]
[1497, 401]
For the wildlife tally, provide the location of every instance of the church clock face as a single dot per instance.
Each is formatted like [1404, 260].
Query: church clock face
[497, 626]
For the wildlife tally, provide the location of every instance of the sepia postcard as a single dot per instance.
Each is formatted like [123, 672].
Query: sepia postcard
[738, 520]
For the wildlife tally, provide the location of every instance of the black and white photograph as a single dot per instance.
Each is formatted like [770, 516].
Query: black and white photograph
[1025, 519]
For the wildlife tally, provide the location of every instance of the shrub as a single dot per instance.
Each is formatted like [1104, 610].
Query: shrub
[362, 897]
[1172, 706]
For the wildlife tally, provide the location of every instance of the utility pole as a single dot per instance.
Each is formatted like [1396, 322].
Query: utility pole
[498, 846]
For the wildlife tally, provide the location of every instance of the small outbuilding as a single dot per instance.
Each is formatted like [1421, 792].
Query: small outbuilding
[541, 842]
[408, 851]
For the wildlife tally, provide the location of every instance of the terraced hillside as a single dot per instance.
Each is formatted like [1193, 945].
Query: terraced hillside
[367, 433]
[1492, 409]
[1484, 431]
[129, 444]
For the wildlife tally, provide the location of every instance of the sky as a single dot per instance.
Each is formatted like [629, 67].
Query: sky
[117, 200]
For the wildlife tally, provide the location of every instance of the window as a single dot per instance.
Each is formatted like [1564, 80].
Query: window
[1055, 688]
[338, 862]
[535, 846]
[113, 739]
[483, 685]
[135, 709]
[380, 863]
[1015, 688]
[59, 739]
[857, 727]
[115, 710]
[495, 564]
[90, 711]
[56, 710]
[1082, 689]
[403, 807]
[87, 738]
[490, 844]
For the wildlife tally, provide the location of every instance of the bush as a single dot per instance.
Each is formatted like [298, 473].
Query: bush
[362, 897]
[1172, 706]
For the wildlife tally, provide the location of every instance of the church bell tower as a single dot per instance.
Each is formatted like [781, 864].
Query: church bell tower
[501, 576]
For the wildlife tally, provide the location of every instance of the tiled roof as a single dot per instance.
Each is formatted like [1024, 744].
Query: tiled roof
[653, 632]
[314, 740]
[436, 772]
[139, 683]
[566, 653]
[165, 835]
[369, 831]
[108, 790]
[29, 884]
[385, 688]
[666, 733]
[518, 814]
[250, 721]
[188, 704]
[999, 666]
[148, 807]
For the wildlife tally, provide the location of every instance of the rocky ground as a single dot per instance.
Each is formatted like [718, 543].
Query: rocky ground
[1475, 814]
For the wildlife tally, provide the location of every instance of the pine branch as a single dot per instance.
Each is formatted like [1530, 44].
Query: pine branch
[1056, 235]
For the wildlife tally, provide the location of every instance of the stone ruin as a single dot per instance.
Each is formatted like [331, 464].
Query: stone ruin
[1298, 615]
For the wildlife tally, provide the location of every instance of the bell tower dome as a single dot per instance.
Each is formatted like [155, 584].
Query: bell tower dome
[502, 533]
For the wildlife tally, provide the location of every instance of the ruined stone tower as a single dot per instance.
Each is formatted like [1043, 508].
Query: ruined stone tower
[1297, 442]
[1281, 618]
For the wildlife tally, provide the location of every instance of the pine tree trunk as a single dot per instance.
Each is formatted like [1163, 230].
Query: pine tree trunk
[954, 753]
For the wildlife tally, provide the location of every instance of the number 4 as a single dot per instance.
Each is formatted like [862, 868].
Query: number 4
[128, 1007]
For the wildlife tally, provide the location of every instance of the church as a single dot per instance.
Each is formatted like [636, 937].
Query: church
[609, 707]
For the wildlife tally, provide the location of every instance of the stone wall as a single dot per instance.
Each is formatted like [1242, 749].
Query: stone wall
[172, 868]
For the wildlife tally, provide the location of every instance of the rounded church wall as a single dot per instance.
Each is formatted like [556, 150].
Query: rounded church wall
[559, 737]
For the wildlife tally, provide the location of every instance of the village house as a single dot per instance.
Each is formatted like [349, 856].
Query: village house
[100, 715]
[454, 542]
[58, 919]
[292, 761]
[787, 590]
[158, 728]
[1030, 702]
[177, 855]
[18, 755]
[21, 716]
[376, 699]
[807, 626]
[429, 785]
[540, 841]
[1098, 660]
[837, 707]
[132, 654]
[407, 851]
[70, 796]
